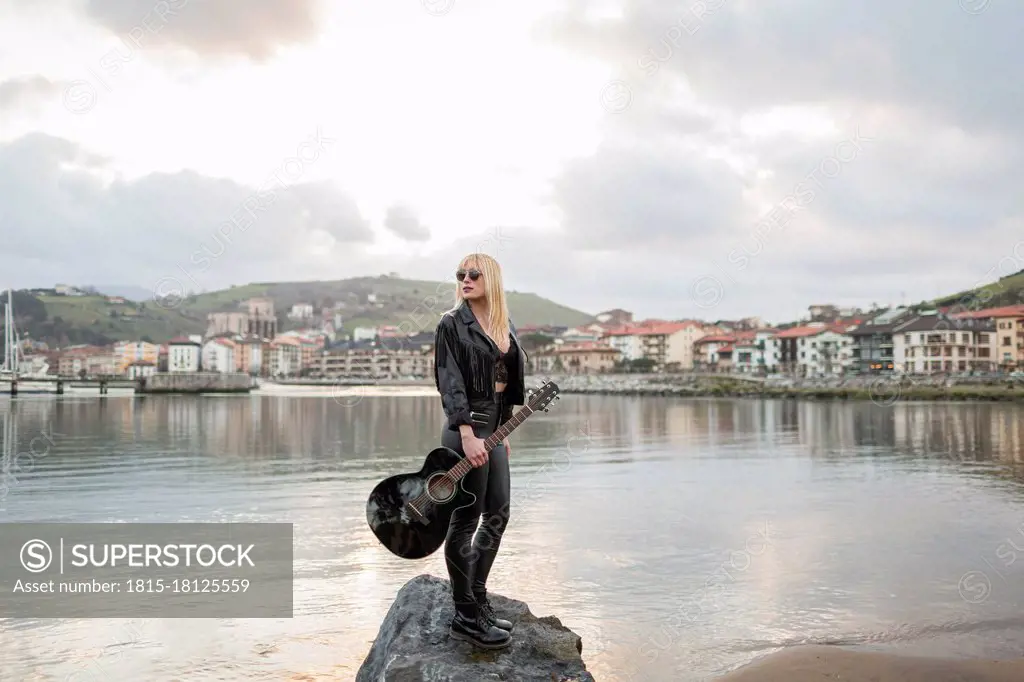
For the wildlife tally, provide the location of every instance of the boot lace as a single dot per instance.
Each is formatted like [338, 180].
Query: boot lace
[487, 611]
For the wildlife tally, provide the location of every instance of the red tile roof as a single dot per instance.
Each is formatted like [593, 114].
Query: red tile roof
[717, 338]
[647, 327]
[808, 330]
[801, 331]
[1004, 311]
[665, 328]
[585, 347]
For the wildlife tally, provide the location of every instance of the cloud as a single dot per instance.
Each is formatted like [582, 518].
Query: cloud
[796, 151]
[254, 28]
[747, 54]
[633, 196]
[18, 92]
[61, 206]
[404, 222]
[898, 162]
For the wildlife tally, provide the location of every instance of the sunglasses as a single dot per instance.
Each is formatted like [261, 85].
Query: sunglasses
[473, 274]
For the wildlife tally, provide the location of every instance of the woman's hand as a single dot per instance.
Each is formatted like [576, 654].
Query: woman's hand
[508, 448]
[475, 450]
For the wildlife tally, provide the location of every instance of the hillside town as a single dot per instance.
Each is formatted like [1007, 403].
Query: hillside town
[829, 342]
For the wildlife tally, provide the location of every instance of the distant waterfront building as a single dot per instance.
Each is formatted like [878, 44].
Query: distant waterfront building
[669, 345]
[285, 357]
[584, 357]
[93, 360]
[816, 350]
[218, 355]
[257, 318]
[364, 333]
[713, 352]
[249, 355]
[140, 368]
[392, 358]
[227, 322]
[1009, 332]
[872, 348]
[933, 343]
[128, 352]
[301, 311]
[756, 352]
[183, 355]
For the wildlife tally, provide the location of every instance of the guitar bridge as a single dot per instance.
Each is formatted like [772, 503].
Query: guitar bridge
[416, 513]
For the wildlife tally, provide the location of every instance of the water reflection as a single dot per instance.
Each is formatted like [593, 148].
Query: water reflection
[680, 537]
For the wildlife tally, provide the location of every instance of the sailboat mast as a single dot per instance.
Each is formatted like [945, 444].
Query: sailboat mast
[10, 338]
[16, 354]
[7, 333]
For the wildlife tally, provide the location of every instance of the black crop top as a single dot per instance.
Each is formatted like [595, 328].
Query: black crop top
[504, 364]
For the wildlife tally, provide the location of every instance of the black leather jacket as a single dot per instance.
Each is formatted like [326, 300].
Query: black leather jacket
[464, 358]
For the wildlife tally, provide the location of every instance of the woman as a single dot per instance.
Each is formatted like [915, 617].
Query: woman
[479, 369]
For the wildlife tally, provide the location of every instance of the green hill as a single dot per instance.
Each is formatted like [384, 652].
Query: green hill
[1007, 290]
[364, 301]
[372, 301]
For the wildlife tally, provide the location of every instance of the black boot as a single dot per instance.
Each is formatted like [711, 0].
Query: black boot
[487, 611]
[469, 625]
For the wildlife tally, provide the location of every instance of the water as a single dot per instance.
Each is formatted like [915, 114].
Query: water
[680, 538]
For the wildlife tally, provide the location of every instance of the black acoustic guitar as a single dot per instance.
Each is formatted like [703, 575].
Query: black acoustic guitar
[409, 513]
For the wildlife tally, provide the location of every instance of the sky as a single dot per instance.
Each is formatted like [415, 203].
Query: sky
[707, 159]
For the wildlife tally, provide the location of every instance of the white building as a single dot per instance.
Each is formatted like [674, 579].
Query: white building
[301, 311]
[285, 356]
[219, 355]
[183, 355]
[668, 345]
[757, 352]
[830, 354]
[364, 333]
[581, 334]
[706, 350]
[626, 341]
[932, 343]
[817, 350]
[140, 368]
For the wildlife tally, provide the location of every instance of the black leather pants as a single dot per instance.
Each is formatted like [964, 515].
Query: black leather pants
[469, 560]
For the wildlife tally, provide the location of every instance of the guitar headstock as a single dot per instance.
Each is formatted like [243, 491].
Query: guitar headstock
[542, 397]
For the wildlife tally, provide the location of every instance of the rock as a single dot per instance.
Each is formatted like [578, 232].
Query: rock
[412, 644]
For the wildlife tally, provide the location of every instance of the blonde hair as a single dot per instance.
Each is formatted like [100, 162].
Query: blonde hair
[497, 326]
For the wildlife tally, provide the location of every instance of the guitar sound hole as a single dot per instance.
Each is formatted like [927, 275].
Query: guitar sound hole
[440, 489]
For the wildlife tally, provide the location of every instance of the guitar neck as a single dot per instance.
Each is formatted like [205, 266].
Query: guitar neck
[516, 420]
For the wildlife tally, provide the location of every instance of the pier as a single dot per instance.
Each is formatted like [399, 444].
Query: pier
[21, 384]
[161, 382]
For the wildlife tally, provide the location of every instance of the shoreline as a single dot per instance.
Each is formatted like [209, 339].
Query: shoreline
[822, 662]
[959, 394]
[879, 390]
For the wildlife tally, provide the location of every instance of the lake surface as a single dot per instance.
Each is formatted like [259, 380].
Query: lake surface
[680, 537]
